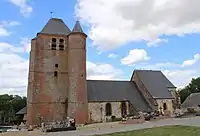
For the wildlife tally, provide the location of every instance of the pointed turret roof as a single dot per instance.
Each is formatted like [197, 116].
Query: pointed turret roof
[56, 26]
[77, 28]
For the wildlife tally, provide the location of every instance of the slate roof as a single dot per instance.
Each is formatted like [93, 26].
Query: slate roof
[56, 26]
[99, 90]
[112, 91]
[193, 100]
[156, 83]
[22, 111]
[77, 28]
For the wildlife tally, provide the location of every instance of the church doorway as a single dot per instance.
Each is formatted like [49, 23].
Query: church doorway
[123, 109]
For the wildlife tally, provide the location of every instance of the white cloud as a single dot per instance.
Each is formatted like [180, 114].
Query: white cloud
[26, 43]
[14, 68]
[135, 56]
[156, 42]
[159, 66]
[191, 62]
[180, 78]
[14, 74]
[24, 46]
[103, 72]
[3, 31]
[5, 24]
[114, 23]
[5, 47]
[112, 55]
[25, 9]
[9, 23]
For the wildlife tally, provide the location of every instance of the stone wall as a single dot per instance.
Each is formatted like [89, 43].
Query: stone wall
[169, 104]
[177, 100]
[98, 115]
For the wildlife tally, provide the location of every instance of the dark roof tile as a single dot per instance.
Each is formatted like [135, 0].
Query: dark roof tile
[55, 26]
[193, 100]
[99, 90]
[77, 28]
[156, 83]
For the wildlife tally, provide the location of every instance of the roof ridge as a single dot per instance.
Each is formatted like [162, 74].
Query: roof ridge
[111, 80]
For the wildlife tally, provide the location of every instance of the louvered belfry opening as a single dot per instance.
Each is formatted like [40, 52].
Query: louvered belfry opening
[61, 44]
[53, 44]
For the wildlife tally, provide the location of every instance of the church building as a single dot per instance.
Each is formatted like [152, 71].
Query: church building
[58, 88]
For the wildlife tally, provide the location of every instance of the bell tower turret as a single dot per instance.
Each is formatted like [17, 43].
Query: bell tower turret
[77, 92]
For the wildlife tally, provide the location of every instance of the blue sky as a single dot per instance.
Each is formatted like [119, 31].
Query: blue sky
[122, 36]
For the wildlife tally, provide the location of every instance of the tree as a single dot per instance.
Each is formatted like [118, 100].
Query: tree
[9, 105]
[192, 87]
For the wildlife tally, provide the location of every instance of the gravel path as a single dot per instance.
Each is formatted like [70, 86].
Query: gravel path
[195, 121]
[111, 128]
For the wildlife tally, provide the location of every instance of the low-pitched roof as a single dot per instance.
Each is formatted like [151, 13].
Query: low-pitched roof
[56, 26]
[193, 100]
[156, 83]
[99, 90]
[22, 111]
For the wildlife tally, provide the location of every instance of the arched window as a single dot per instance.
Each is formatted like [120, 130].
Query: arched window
[53, 44]
[164, 106]
[108, 109]
[61, 44]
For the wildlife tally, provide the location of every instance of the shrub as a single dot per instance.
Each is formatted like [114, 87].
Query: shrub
[191, 110]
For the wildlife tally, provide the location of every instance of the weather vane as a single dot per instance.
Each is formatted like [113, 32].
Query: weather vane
[51, 14]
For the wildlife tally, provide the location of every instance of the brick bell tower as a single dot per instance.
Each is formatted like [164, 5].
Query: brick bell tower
[77, 95]
[48, 74]
[57, 74]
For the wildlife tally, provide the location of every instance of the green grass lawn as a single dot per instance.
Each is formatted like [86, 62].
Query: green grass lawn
[162, 131]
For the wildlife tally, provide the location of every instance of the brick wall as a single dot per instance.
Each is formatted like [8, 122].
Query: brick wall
[78, 101]
[47, 93]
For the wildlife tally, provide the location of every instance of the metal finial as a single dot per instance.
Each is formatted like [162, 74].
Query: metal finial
[51, 14]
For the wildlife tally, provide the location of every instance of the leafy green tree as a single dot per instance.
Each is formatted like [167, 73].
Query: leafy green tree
[9, 105]
[192, 87]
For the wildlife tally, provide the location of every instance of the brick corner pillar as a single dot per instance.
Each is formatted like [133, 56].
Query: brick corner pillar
[77, 92]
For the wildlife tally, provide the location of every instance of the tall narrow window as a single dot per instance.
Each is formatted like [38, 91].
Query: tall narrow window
[164, 106]
[55, 73]
[53, 44]
[123, 109]
[61, 44]
[108, 109]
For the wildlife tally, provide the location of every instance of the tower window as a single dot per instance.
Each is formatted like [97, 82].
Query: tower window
[55, 73]
[56, 65]
[53, 44]
[61, 44]
[61, 41]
